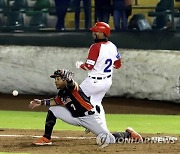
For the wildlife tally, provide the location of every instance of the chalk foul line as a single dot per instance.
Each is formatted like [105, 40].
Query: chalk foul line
[54, 137]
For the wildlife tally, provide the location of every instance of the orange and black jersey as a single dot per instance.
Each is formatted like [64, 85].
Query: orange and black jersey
[74, 99]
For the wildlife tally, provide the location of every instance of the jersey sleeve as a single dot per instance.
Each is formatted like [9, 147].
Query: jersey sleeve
[117, 64]
[92, 57]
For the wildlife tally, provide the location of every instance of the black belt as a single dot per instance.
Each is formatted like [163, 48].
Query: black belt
[91, 112]
[100, 78]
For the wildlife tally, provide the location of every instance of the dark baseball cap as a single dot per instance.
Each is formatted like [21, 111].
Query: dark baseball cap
[57, 73]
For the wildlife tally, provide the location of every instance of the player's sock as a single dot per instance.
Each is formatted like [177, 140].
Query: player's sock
[50, 122]
[121, 136]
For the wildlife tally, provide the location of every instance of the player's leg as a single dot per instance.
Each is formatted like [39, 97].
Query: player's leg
[104, 135]
[50, 122]
[59, 112]
[94, 124]
[64, 114]
[55, 112]
[86, 86]
[92, 86]
[100, 87]
[129, 133]
[121, 136]
[95, 99]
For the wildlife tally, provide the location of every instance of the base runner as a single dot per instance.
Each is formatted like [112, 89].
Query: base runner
[103, 56]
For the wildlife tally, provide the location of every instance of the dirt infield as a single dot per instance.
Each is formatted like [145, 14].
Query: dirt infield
[23, 143]
[79, 142]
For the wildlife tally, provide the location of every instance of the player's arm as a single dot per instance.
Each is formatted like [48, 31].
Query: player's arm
[117, 64]
[46, 102]
[92, 57]
[71, 84]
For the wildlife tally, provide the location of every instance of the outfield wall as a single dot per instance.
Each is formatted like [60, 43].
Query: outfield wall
[154, 74]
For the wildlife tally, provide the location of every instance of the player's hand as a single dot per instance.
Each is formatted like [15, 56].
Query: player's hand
[78, 64]
[35, 103]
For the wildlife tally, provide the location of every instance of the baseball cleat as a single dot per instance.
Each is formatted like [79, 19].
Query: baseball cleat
[42, 141]
[134, 134]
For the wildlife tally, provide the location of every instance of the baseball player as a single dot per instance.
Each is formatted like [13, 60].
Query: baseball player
[102, 58]
[73, 107]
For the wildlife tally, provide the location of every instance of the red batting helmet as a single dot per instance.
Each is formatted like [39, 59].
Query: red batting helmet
[101, 27]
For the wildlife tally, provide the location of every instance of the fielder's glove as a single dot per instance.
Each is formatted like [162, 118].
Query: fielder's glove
[67, 75]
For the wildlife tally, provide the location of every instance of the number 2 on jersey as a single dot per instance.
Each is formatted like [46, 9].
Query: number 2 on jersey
[109, 63]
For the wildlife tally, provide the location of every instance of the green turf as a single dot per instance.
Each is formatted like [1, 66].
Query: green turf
[168, 124]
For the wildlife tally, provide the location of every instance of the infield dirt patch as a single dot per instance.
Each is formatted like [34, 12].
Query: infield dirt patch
[78, 145]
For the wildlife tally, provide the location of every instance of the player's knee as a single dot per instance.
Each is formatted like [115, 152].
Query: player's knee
[104, 139]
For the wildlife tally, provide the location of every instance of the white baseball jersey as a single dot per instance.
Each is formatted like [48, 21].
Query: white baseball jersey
[101, 58]
[103, 66]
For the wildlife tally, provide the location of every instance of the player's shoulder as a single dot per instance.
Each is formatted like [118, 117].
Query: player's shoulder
[111, 43]
[95, 45]
[99, 44]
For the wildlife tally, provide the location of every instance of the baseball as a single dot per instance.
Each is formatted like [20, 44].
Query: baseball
[78, 64]
[15, 92]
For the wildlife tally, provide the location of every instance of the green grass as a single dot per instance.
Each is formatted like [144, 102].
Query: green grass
[168, 124]
[145, 123]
